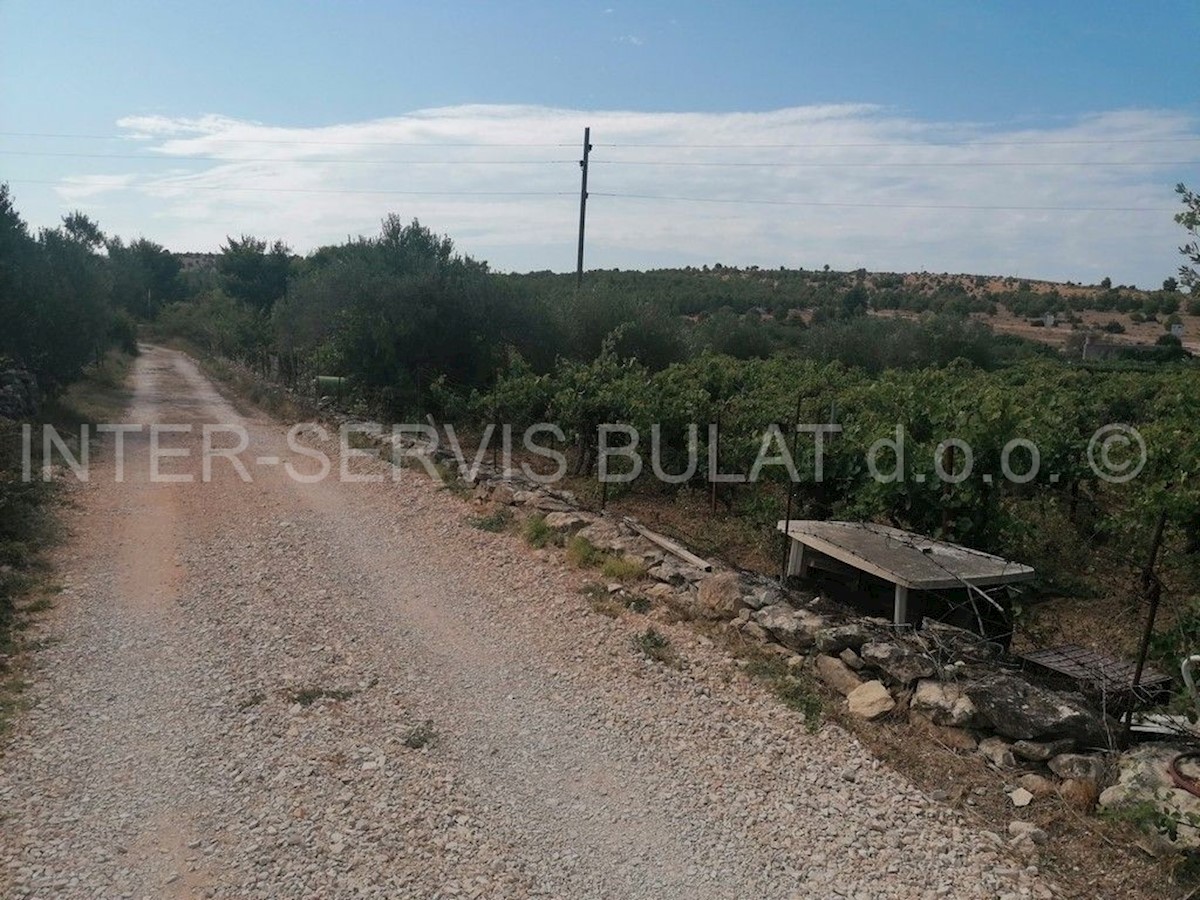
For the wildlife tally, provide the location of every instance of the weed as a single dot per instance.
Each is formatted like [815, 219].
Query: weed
[420, 736]
[623, 568]
[41, 604]
[307, 696]
[638, 604]
[800, 695]
[495, 522]
[451, 479]
[606, 605]
[583, 553]
[12, 689]
[1149, 817]
[537, 533]
[362, 440]
[656, 646]
[796, 691]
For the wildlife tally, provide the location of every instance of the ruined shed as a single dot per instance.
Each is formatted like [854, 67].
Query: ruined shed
[906, 561]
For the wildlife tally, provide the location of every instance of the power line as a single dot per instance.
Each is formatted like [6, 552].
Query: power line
[282, 190]
[753, 201]
[661, 145]
[888, 165]
[852, 204]
[602, 162]
[284, 141]
[276, 160]
[933, 144]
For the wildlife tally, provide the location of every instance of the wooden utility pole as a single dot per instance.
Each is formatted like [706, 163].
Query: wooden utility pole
[583, 165]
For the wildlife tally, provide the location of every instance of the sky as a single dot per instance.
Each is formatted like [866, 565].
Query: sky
[1024, 138]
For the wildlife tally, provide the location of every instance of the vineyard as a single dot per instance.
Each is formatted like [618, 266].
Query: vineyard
[713, 366]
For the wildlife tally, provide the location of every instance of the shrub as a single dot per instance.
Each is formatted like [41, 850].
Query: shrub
[623, 568]
[537, 533]
[583, 553]
[495, 521]
[656, 646]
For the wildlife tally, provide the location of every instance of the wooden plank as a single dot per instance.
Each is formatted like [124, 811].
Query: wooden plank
[670, 546]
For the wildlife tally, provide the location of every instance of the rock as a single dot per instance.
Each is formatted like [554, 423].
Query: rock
[998, 752]
[955, 738]
[1017, 709]
[850, 658]
[1040, 751]
[1020, 797]
[841, 637]
[673, 572]
[758, 596]
[1079, 766]
[1019, 829]
[1144, 777]
[794, 628]
[546, 503]
[837, 674]
[870, 700]
[1038, 785]
[659, 591]
[1080, 793]
[568, 522]
[720, 596]
[503, 493]
[604, 535]
[755, 632]
[944, 703]
[900, 662]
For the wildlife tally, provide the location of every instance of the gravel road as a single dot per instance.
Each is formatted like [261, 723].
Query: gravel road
[237, 672]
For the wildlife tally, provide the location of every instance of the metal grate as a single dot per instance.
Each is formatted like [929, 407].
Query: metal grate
[1098, 674]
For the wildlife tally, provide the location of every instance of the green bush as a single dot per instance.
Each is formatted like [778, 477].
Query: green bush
[537, 533]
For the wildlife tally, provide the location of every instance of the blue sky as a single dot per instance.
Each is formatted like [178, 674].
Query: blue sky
[1080, 82]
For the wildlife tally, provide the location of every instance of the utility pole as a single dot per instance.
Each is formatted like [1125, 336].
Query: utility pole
[583, 165]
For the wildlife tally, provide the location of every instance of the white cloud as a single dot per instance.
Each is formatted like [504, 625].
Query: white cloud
[631, 39]
[849, 185]
[83, 187]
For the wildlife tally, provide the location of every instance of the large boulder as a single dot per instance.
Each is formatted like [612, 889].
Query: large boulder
[674, 572]
[944, 703]
[568, 522]
[901, 663]
[604, 535]
[794, 628]
[1145, 782]
[1017, 709]
[720, 596]
[870, 700]
[1079, 767]
[837, 675]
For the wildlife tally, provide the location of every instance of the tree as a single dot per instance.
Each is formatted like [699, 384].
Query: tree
[145, 277]
[1106, 283]
[253, 274]
[1190, 220]
[1170, 285]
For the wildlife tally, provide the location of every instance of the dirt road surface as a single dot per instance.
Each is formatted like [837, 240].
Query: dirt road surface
[278, 689]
